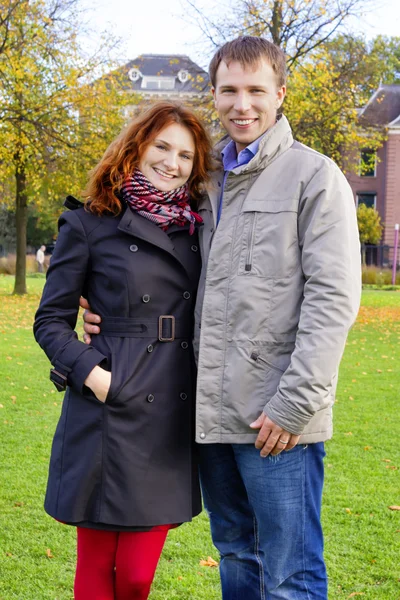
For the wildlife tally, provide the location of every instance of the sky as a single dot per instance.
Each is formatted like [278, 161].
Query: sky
[161, 26]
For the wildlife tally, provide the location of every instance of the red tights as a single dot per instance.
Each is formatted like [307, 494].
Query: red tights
[117, 565]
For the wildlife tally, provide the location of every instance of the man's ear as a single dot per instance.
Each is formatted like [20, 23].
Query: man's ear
[280, 96]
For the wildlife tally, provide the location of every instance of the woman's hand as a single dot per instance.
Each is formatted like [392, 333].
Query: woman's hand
[99, 382]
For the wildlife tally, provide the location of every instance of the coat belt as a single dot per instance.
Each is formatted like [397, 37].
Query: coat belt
[165, 328]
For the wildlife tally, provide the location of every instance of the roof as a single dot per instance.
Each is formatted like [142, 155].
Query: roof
[176, 70]
[383, 107]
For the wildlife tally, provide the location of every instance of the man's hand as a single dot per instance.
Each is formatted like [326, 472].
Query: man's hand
[272, 439]
[99, 381]
[89, 319]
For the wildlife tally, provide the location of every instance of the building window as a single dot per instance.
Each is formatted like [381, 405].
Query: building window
[158, 83]
[367, 198]
[183, 76]
[134, 74]
[368, 163]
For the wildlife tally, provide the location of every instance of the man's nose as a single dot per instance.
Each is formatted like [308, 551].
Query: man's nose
[242, 102]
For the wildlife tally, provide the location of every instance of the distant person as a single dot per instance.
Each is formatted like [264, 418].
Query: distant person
[40, 258]
[122, 467]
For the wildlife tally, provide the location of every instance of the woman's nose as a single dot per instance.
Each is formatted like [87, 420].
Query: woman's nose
[171, 160]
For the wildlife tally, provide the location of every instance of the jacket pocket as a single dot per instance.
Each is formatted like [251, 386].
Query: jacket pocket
[272, 374]
[269, 242]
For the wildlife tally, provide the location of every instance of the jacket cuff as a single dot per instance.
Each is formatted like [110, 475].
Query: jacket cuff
[83, 364]
[278, 419]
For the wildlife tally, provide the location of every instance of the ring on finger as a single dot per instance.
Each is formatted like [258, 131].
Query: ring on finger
[284, 442]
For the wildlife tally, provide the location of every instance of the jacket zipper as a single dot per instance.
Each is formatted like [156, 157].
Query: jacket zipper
[250, 242]
[258, 358]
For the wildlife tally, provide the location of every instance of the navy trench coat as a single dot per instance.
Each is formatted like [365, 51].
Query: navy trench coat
[128, 462]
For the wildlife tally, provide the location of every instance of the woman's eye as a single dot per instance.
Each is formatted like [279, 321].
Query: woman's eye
[160, 147]
[186, 156]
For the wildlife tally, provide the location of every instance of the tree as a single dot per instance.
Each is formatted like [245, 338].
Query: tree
[324, 92]
[296, 26]
[369, 227]
[54, 122]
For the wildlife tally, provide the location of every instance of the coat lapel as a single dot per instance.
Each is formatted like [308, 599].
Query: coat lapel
[136, 225]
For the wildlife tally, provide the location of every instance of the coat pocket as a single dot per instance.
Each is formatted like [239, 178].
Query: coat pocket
[272, 374]
[269, 244]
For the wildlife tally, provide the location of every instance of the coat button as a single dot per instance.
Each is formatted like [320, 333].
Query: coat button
[150, 398]
[202, 436]
[194, 248]
[186, 295]
[184, 345]
[149, 348]
[146, 298]
[183, 396]
[133, 248]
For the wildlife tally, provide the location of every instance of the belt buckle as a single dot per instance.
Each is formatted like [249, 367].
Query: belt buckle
[160, 328]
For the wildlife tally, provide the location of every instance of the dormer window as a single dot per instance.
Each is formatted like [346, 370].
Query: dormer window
[158, 83]
[134, 74]
[183, 76]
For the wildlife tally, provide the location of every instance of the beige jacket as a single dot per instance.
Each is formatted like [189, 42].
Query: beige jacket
[281, 289]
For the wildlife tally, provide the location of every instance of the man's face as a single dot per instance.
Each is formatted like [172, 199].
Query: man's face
[247, 100]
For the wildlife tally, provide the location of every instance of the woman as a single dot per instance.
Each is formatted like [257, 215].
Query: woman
[122, 468]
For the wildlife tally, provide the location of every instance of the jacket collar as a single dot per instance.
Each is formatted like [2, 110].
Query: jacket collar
[278, 139]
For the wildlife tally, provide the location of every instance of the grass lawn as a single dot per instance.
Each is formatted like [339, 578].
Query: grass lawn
[362, 470]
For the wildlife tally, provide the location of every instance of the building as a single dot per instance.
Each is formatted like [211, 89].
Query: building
[164, 76]
[378, 185]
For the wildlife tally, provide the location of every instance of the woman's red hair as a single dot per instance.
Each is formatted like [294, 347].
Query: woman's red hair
[124, 154]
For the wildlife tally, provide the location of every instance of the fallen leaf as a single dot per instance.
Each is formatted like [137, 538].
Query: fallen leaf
[386, 460]
[210, 562]
[356, 594]
[394, 507]
[367, 447]
[348, 511]
[348, 433]
[48, 553]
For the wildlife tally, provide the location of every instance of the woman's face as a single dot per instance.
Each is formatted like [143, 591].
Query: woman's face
[168, 161]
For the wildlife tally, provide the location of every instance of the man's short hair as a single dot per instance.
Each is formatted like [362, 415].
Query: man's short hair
[248, 51]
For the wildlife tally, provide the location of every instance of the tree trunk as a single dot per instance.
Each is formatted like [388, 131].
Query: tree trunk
[363, 254]
[276, 25]
[21, 217]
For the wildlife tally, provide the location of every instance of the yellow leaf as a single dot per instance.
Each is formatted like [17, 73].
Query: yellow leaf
[210, 562]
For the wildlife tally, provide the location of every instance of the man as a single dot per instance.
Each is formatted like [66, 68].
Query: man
[279, 292]
[40, 258]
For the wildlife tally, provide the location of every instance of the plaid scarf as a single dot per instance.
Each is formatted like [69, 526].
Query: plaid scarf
[162, 208]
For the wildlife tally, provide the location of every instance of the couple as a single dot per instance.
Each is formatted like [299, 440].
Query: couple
[278, 290]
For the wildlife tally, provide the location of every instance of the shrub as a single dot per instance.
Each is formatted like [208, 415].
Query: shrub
[7, 264]
[378, 276]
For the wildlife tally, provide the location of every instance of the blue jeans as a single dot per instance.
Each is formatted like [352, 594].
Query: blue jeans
[265, 520]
